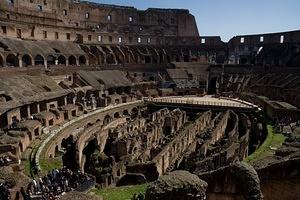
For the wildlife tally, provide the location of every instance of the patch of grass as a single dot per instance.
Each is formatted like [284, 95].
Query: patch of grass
[51, 163]
[273, 141]
[120, 193]
[27, 168]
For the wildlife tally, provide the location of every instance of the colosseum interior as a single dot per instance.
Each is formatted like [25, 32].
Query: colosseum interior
[96, 96]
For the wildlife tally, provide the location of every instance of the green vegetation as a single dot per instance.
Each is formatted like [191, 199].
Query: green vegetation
[51, 163]
[273, 141]
[120, 193]
[27, 168]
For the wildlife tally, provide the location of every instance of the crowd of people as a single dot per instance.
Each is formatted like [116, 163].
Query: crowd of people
[5, 160]
[4, 191]
[55, 184]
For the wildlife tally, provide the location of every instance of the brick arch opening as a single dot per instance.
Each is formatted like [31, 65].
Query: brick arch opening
[110, 59]
[12, 61]
[39, 60]
[51, 60]
[82, 60]
[68, 145]
[134, 112]
[27, 60]
[117, 115]
[61, 60]
[88, 151]
[56, 151]
[72, 60]
[125, 112]
[107, 119]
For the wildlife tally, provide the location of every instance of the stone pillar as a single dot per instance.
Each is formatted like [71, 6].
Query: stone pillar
[93, 102]
[45, 63]
[4, 62]
[66, 100]
[38, 108]
[74, 99]
[32, 61]
[77, 62]
[28, 111]
[67, 62]
[20, 62]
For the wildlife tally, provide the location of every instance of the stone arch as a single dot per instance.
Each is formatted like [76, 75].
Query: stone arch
[134, 112]
[88, 150]
[12, 60]
[80, 95]
[71, 98]
[110, 59]
[72, 60]
[61, 60]
[98, 54]
[89, 124]
[67, 141]
[56, 152]
[125, 112]
[39, 60]
[82, 60]
[27, 60]
[117, 115]
[50, 60]
[107, 119]
[1, 61]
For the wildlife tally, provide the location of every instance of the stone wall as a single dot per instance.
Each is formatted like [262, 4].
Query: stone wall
[97, 23]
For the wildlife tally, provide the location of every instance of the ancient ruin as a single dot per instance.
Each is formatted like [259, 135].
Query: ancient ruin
[96, 95]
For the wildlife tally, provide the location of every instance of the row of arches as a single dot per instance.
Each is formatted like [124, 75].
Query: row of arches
[12, 60]
[99, 55]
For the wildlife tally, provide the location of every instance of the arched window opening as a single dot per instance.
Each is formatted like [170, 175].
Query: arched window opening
[26, 59]
[12, 61]
[61, 60]
[72, 60]
[39, 60]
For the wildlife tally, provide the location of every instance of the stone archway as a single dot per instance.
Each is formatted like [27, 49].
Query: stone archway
[91, 147]
[27, 60]
[61, 60]
[110, 59]
[12, 61]
[125, 113]
[107, 119]
[82, 60]
[39, 60]
[134, 112]
[117, 115]
[72, 60]
[51, 60]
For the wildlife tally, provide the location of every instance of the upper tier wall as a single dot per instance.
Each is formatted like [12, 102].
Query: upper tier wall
[54, 20]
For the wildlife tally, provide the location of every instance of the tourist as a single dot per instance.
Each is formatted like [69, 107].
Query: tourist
[56, 183]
